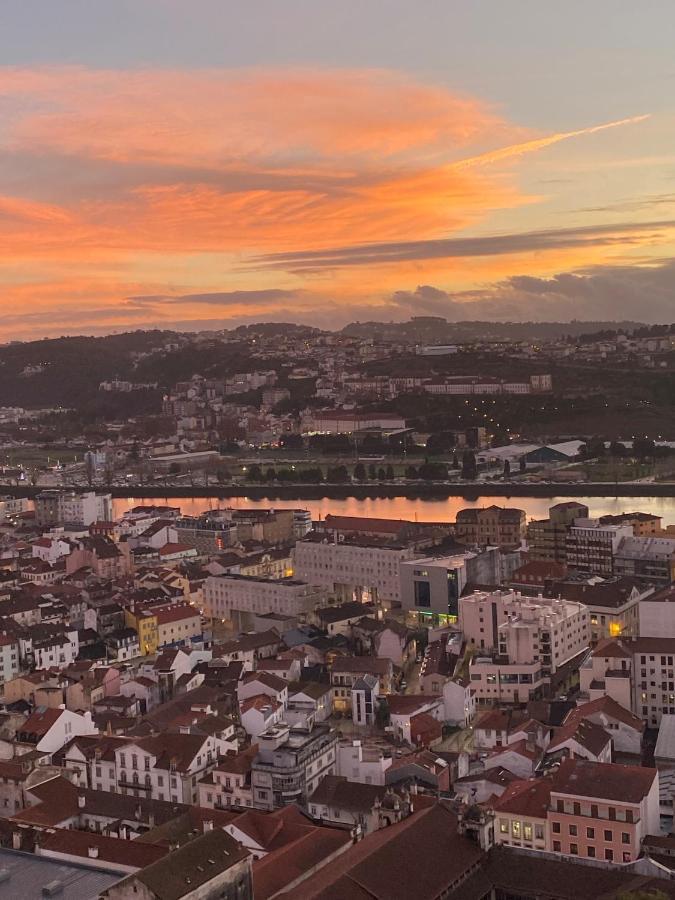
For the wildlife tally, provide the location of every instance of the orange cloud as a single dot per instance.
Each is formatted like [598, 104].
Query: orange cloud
[172, 182]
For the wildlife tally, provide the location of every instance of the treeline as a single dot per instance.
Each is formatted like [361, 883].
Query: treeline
[464, 467]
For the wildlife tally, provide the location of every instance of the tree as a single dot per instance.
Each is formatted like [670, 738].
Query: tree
[337, 475]
[411, 472]
[390, 472]
[469, 465]
[270, 475]
[523, 464]
[372, 474]
[617, 449]
[382, 714]
[254, 473]
[360, 472]
[643, 447]
[455, 460]
[507, 468]
[433, 471]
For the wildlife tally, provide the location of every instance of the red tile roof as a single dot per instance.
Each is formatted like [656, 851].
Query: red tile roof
[604, 781]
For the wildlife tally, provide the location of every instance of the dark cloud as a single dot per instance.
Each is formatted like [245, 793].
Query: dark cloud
[216, 298]
[645, 293]
[622, 233]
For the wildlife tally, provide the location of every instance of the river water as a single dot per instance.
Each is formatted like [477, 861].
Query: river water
[442, 510]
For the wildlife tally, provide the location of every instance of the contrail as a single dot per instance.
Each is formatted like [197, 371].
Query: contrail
[493, 156]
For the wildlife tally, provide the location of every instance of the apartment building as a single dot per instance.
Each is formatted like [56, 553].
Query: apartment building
[9, 658]
[346, 671]
[591, 546]
[228, 785]
[547, 538]
[614, 605]
[650, 559]
[643, 524]
[603, 810]
[352, 568]
[433, 585]
[291, 763]
[520, 643]
[240, 597]
[70, 508]
[597, 811]
[496, 525]
[638, 673]
[160, 767]
[208, 533]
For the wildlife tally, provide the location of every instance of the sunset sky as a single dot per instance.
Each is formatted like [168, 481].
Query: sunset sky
[207, 163]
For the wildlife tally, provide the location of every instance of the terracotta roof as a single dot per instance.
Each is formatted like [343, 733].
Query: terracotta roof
[110, 849]
[309, 852]
[409, 704]
[611, 650]
[259, 702]
[238, 763]
[175, 613]
[41, 721]
[529, 797]
[267, 678]
[364, 525]
[362, 664]
[604, 781]
[587, 734]
[395, 862]
[606, 707]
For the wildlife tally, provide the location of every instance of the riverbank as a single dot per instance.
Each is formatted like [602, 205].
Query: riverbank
[410, 490]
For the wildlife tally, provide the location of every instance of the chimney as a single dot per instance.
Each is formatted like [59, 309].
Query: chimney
[81, 800]
[16, 840]
[92, 852]
[207, 825]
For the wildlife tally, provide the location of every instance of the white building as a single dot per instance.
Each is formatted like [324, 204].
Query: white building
[351, 569]
[240, 597]
[357, 761]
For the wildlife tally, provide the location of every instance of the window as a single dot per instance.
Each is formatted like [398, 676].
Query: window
[609, 855]
[608, 835]
[590, 833]
[555, 827]
[573, 830]
[556, 846]
[539, 832]
[574, 850]
[503, 826]
[527, 831]
[515, 829]
[625, 837]
[590, 852]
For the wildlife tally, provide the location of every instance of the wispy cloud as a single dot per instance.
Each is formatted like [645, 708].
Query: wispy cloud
[452, 248]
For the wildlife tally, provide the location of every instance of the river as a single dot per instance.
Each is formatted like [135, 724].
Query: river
[426, 510]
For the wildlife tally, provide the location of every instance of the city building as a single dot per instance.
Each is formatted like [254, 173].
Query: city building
[547, 538]
[650, 559]
[520, 643]
[352, 568]
[494, 525]
[591, 546]
[239, 598]
[71, 508]
[291, 763]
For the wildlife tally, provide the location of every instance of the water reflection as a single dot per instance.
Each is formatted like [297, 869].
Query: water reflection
[427, 510]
